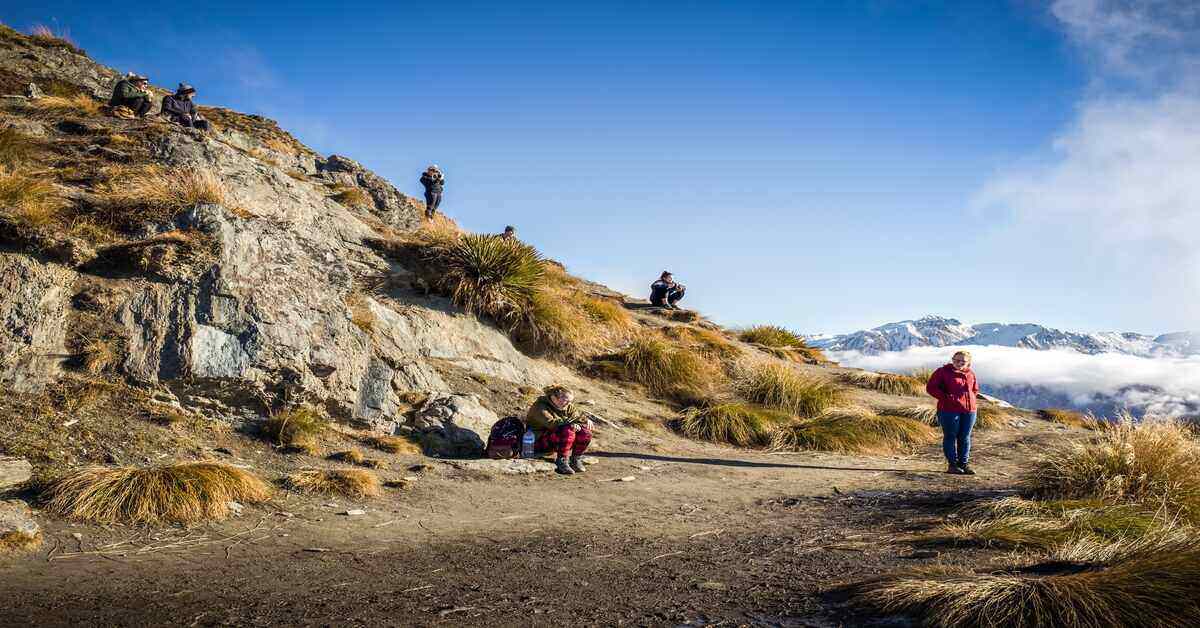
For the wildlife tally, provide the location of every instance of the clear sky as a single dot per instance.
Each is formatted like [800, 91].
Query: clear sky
[827, 166]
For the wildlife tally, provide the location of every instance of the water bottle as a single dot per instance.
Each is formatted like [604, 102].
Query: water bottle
[527, 444]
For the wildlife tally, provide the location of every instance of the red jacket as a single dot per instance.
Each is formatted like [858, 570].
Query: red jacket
[955, 390]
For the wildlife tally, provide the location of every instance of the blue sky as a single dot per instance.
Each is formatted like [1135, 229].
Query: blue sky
[822, 165]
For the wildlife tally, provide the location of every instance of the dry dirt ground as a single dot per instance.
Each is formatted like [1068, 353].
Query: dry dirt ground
[700, 536]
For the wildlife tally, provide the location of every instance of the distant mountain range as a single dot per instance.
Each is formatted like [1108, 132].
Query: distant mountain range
[939, 331]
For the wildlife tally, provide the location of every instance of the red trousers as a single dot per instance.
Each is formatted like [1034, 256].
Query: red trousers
[564, 441]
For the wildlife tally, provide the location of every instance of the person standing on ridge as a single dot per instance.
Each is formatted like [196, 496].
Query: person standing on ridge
[181, 110]
[510, 233]
[434, 181]
[665, 292]
[132, 92]
[956, 390]
[560, 428]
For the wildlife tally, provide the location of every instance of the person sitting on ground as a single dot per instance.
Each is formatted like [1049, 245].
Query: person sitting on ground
[434, 181]
[132, 92]
[560, 428]
[510, 233]
[181, 110]
[955, 388]
[665, 292]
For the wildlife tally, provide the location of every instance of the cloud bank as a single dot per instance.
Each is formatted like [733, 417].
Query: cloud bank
[1157, 386]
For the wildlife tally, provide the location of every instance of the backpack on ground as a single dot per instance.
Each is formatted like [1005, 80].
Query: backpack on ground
[504, 441]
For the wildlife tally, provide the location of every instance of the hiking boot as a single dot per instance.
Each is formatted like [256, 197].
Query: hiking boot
[560, 466]
[577, 464]
[966, 469]
[953, 468]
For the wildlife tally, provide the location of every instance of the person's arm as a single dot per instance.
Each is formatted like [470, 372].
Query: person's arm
[974, 386]
[934, 387]
[126, 91]
[170, 106]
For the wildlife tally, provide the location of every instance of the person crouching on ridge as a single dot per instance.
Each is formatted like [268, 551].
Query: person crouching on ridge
[132, 92]
[665, 292]
[560, 428]
[180, 109]
[955, 388]
[434, 181]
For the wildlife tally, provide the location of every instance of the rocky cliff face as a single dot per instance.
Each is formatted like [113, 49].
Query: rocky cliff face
[289, 303]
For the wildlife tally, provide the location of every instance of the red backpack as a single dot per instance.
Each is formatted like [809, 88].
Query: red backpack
[504, 441]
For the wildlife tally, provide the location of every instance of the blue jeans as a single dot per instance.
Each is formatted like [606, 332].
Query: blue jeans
[956, 435]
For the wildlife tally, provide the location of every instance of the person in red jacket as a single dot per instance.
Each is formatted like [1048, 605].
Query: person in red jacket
[955, 388]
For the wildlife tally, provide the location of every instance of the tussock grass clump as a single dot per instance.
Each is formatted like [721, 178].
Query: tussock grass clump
[99, 354]
[668, 370]
[43, 36]
[553, 323]
[492, 276]
[1067, 417]
[606, 312]
[889, 383]
[393, 444]
[175, 493]
[135, 195]
[1153, 463]
[17, 541]
[853, 430]
[65, 106]
[352, 196]
[772, 336]
[1155, 583]
[706, 341]
[778, 386]
[297, 428]
[29, 202]
[740, 424]
[16, 148]
[352, 483]
[1018, 522]
[922, 375]
[923, 414]
[351, 456]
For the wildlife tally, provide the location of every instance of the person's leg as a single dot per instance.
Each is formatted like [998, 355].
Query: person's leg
[949, 424]
[966, 422]
[437, 200]
[428, 204]
[675, 296]
[561, 441]
[583, 438]
[143, 107]
[202, 124]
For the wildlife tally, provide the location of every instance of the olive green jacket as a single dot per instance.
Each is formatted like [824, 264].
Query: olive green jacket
[543, 416]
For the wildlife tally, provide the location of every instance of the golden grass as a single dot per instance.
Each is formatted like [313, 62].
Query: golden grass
[297, 428]
[668, 370]
[352, 483]
[740, 424]
[922, 375]
[854, 430]
[29, 202]
[606, 312]
[65, 106]
[18, 541]
[706, 341]
[771, 336]
[439, 231]
[42, 35]
[16, 148]
[888, 383]
[100, 354]
[351, 196]
[297, 175]
[1153, 463]
[175, 493]
[360, 312]
[1068, 417]
[924, 414]
[393, 444]
[779, 386]
[351, 456]
[1015, 522]
[134, 195]
[1154, 583]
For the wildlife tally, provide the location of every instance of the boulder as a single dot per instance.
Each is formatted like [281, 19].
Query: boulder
[34, 303]
[14, 472]
[455, 426]
[16, 519]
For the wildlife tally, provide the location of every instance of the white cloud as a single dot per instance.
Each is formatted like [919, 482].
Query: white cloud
[1078, 375]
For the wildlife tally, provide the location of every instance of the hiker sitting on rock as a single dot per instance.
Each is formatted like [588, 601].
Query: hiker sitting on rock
[560, 428]
[434, 181]
[665, 292]
[132, 92]
[181, 110]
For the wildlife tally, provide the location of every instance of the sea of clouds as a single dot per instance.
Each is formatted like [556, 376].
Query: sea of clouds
[1157, 386]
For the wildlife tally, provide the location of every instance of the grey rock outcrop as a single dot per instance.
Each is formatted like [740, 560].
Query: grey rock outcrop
[390, 205]
[17, 518]
[454, 425]
[14, 472]
[33, 313]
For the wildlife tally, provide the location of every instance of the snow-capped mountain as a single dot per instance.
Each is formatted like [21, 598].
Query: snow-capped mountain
[939, 331]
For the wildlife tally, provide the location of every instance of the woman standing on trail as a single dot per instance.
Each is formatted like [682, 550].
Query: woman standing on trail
[955, 388]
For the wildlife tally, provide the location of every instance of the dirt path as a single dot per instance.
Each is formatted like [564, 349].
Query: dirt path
[701, 536]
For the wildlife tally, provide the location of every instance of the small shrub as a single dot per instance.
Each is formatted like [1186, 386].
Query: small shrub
[739, 424]
[393, 444]
[66, 106]
[888, 383]
[779, 386]
[439, 232]
[554, 324]
[772, 336]
[854, 431]
[135, 195]
[16, 148]
[297, 428]
[492, 276]
[1153, 463]
[352, 483]
[668, 370]
[175, 493]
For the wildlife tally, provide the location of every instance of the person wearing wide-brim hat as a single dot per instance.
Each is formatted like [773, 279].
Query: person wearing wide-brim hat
[180, 109]
[434, 181]
[132, 92]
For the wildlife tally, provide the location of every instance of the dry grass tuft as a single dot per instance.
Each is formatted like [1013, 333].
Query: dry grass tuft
[29, 202]
[772, 336]
[1152, 463]
[1068, 417]
[393, 444]
[740, 424]
[779, 386]
[706, 341]
[668, 370]
[492, 276]
[134, 195]
[1154, 583]
[922, 375]
[297, 428]
[606, 312]
[175, 493]
[352, 483]
[360, 312]
[42, 35]
[854, 430]
[352, 197]
[16, 148]
[439, 232]
[924, 414]
[1015, 522]
[888, 383]
[100, 354]
[351, 456]
[18, 541]
[66, 106]
[991, 417]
